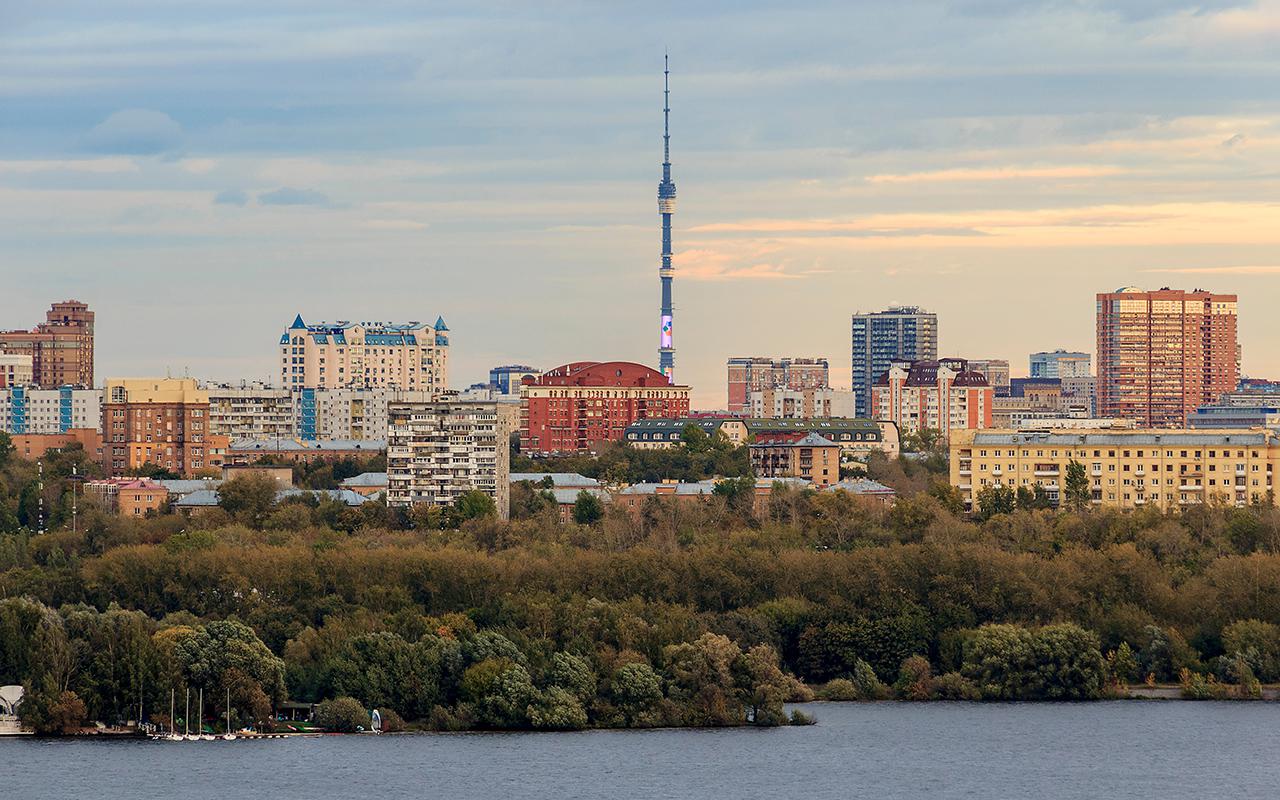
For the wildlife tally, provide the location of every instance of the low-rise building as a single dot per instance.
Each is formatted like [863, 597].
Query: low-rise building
[32, 446]
[297, 451]
[662, 433]
[1217, 417]
[866, 489]
[1167, 469]
[369, 484]
[440, 450]
[129, 497]
[810, 457]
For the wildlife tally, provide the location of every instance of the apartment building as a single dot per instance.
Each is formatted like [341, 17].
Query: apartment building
[576, 407]
[160, 421]
[26, 410]
[15, 370]
[332, 355]
[943, 395]
[806, 456]
[881, 338]
[1167, 469]
[437, 451]
[251, 411]
[757, 374]
[1060, 364]
[786, 403]
[60, 348]
[354, 413]
[995, 370]
[1161, 354]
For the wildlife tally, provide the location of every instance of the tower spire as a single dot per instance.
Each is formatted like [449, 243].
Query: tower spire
[666, 207]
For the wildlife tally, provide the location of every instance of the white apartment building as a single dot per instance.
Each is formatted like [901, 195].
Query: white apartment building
[785, 403]
[27, 410]
[359, 413]
[436, 451]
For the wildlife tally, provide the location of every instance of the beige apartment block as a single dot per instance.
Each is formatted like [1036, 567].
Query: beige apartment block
[1167, 469]
[331, 355]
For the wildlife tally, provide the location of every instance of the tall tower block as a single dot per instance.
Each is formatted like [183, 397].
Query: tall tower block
[666, 207]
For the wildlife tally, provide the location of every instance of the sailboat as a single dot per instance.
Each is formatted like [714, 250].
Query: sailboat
[200, 734]
[228, 736]
[173, 735]
[187, 735]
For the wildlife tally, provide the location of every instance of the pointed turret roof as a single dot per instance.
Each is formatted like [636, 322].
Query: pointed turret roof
[440, 326]
[297, 323]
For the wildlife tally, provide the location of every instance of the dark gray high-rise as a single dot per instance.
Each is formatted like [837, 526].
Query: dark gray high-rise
[902, 333]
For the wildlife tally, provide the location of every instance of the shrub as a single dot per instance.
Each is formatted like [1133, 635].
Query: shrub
[798, 717]
[391, 721]
[343, 715]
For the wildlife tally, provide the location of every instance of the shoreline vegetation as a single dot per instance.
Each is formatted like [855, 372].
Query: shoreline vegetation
[674, 614]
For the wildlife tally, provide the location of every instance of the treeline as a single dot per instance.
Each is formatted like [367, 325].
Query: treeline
[698, 457]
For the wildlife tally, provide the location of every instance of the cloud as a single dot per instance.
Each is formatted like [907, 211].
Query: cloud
[395, 225]
[135, 131]
[231, 197]
[998, 174]
[289, 196]
[705, 264]
[1265, 269]
[99, 166]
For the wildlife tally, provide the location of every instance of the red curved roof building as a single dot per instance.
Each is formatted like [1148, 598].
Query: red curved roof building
[575, 407]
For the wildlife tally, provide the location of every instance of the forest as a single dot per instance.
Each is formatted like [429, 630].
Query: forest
[680, 614]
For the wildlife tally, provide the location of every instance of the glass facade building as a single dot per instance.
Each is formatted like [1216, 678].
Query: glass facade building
[901, 333]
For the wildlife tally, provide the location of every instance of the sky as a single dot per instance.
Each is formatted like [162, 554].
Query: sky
[200, 172]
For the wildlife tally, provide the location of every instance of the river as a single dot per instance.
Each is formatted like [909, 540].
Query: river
[882, 751]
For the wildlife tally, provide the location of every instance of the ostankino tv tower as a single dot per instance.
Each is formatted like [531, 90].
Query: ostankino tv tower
[666, 207]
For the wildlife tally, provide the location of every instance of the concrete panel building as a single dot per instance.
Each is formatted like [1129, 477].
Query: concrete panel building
[786, 403]
[1060, 364]
[438, 451]
[251, 411]
[756, 374]
[24, 409]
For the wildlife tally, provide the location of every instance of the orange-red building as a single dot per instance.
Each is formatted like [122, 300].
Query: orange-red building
[160, 421]
[61, 347]
[1162, 354]
[943, 395]
[575, 407]
[34, 445]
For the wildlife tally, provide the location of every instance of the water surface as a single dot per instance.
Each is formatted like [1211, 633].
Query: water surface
[884, 751]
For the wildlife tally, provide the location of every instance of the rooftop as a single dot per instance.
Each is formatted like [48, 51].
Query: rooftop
[298, 445]
[1120, 438]
[558, 479]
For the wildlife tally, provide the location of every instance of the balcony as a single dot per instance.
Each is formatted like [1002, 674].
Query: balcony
[1188, 487]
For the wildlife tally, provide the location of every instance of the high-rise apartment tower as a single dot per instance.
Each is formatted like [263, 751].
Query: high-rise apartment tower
[902, 333]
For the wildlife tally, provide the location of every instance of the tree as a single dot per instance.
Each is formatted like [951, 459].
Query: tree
[994, 500]
[1078, 492]
[474, 504]
[1056, 662]
[695, 439]
[6, 448]
[248, 498]
[1258, 643]
[636, 689]
[342, 715]
[587, 509]
[206, 654]
[50, 711]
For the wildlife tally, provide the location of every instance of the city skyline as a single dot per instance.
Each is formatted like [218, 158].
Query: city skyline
[859, 165]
